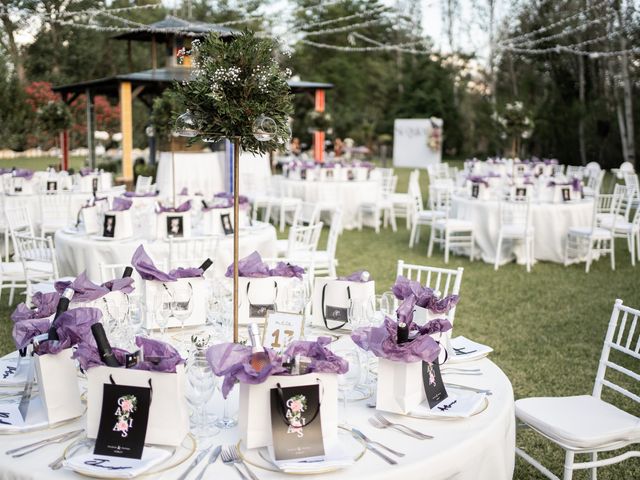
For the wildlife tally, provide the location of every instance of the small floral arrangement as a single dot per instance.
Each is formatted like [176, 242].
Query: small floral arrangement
[296, 406]
[434, 140]
[127, 405]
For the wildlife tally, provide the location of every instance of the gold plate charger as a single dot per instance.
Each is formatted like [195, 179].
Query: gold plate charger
[259, 457]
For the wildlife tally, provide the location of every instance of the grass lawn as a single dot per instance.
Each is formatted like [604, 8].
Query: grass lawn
[40, 163]
[547, 327]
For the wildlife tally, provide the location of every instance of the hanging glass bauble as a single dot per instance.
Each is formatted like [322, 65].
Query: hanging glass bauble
[186, 125]
[264, 128]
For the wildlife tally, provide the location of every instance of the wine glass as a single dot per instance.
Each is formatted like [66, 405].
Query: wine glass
[202, 383]
[164, 309]
[296, 297]
[182, 304]
[387, 303]
[356, 313]
[348, 381]
[228, 418]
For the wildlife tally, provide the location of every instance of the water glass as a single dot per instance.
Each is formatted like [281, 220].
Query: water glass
[202, 383]
[163, 310]
[349, 380]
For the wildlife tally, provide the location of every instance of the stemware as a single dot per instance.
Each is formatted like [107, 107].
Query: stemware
[228, 418]
[182, 305]
[387, 303]
[202, 383]
[347, 381]
[163, 310]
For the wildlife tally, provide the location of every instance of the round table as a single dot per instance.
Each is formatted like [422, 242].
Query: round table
[79, 252]
[347, 195]
[551, 222]
[481, 447]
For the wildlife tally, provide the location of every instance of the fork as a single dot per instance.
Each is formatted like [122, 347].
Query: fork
[227, 459]
[235, 455]
[401, 428]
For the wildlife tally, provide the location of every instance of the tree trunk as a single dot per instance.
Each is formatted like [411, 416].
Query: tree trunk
[581, 87]
[627, 95]
[12, 48]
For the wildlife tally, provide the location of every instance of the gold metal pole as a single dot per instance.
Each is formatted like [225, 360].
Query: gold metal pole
[236, 232]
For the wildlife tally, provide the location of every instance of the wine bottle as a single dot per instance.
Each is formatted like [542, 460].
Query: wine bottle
[259, 358]
[204, 204]
[206, 264]
[403, 333]
[104, 348]
[63, 305]
[128, 271]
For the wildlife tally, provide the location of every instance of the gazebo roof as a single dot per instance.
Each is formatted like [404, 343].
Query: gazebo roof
[159, 79]
[174, 26]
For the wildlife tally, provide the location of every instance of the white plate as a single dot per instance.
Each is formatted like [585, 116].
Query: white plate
[73, 231]
[461, 404]
[100, 238]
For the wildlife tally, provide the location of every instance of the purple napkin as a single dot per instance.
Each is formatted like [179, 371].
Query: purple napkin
[23, 173]
[146, 268]
[186, 272]
[124, 285]
[28, 323]
[84, 289]
[158, 356]
[184, 191]
[283, 269]
[232, 361]
[134, 194]
[404, 287]
[250, 266]
[84, 171]
[121, 204]
[382, 341]
[229, 196]
[185, 207]
[73, 327]
[88, 356]
[413, 294]
[478, 179]
[356, 277]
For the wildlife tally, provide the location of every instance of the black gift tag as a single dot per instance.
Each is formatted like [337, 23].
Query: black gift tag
[433, 384]
[123, 421]
[521, 192]
[227, 226]
[17, 189]
[296, 425]
[303, 174]
[94, 184]
[52, 186]
[109, 227]
[260, 311]
[339, 314]
[475, 190]
[132, 359]
[566, 194]
[350, 175]
[175, 228]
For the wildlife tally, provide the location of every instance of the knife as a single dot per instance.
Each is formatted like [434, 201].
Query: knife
[197, 460]
[212, 459]
[44, 442]
[387, 459]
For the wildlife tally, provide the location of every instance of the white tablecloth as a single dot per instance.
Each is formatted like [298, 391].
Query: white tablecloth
[208, 173]
[347, 195]
[551, 222]
[477, 448]
[77, 253]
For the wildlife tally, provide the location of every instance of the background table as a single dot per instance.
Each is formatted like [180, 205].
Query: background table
[551, 222]
[478, 448]
[77, 253]
[347, 195]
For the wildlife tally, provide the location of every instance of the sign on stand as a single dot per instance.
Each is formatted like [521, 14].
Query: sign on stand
[417, 142]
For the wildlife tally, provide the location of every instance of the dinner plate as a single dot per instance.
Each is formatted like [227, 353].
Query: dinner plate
[424, 412]
[73, 231]
[178, 456]
[100, 238]
[260, 458]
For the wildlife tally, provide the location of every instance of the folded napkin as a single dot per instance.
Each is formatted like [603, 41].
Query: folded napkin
[413, 294]
[31, 322]
[23, 173]
[121, 204]
[336, 455]
[456, 405]
[118, 467]
[84, 290]
[252, 266]
[148, 271]
[84, 171]
[185, 207]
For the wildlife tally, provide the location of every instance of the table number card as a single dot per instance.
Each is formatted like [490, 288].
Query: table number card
[475, 190]
[296, 423]
[433, 384]
[123, 421]
[566, 194]
[281, 329]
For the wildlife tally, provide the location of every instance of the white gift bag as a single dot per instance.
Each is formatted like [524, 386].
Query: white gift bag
[212, 221]
[332, 296]
[254, 415]
[151, 289]
[113, 305]
[89, 183]
[117, 224]
[57, 378]
[478, 190]
[565, 193]
[400, 386]
[90, 219]
[258, 296]
[175, 224]
[168, 414]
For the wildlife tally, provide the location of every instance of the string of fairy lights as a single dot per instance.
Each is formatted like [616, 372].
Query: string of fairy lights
[546, 39]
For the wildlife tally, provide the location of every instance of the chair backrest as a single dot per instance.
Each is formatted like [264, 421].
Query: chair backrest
[55, 208]
[36, 249]
[626, 167]
[604, 203]
[19, 220]
[577, 171]
[304, 239]
[516, 213]
[191, 252]
[443, 281]
[439, 171]
[440, 198]
[309, 214]
[592, 167]
[594, 182]
[622, 200]
[143, 184]
[631, 181]
[388, 186]
[623, 335]
[334, 232]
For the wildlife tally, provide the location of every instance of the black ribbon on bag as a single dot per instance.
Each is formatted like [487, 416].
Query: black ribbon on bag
[282, 405]
[333, 313]
[261, 310]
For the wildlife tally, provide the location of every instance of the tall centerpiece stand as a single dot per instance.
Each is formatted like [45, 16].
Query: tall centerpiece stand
[239, 92]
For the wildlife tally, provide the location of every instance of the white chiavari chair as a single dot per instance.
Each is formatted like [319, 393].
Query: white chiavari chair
[403, 203]
[577, 171]
[325, 261]
[594, 183]
[450, 232]
[633, 185]
[55, 212]
[38, 257]
[515, 224]
[422, 217]
[382, 205]
[144, 184]
[303, 244]
[587, 424]
[443, 281]
[191, 252]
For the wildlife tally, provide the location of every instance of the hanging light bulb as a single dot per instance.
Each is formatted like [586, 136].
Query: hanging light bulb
[186, 125]
[264, 128]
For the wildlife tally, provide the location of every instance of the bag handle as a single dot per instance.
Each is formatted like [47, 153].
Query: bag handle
[282, 406]
[275, 298]
[322, 307]
[113, 382]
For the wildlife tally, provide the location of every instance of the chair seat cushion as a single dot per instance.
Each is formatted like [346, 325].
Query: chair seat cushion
[454, 224]
[599, 233]
[606, 219]
[580, 422]
[429, 214]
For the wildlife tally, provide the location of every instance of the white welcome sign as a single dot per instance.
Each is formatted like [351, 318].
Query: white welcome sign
[417, 142]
